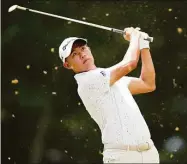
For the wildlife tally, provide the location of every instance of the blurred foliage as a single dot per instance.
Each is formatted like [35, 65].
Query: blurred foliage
[43, 118]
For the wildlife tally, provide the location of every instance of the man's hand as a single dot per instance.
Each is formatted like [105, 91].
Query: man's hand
[128, 31]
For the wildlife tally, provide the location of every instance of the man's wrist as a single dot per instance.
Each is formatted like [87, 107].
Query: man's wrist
[145, 49]
[133, 40]
[134, 44]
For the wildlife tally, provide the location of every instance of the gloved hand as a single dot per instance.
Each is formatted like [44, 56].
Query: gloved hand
[143, 43]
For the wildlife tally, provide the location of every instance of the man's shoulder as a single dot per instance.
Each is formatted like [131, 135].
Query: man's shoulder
[97, 82]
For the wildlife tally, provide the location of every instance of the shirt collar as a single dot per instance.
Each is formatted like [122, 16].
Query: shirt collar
[79, 75]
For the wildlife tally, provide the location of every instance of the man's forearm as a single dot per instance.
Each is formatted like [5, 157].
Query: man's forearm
[148, 70]
[132, 55]
[133, 52]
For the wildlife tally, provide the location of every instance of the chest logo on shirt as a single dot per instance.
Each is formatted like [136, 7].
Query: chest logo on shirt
[103, 73]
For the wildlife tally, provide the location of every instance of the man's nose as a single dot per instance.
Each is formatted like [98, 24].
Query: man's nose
[82, 55]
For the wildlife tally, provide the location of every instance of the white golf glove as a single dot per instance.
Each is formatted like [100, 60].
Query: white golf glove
[143, 43]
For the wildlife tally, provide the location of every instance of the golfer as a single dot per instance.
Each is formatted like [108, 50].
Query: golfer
[107, 95]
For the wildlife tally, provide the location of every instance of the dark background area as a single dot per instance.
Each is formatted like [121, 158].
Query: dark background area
[43, 120]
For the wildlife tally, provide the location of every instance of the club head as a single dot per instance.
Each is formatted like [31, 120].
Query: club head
[12, 8]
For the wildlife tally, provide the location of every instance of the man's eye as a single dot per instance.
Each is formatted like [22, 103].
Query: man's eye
[83, 48]
[74, 54]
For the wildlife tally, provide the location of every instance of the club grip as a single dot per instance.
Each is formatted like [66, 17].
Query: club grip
[150, 39]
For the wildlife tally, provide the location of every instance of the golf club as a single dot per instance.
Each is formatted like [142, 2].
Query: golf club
[14, 7]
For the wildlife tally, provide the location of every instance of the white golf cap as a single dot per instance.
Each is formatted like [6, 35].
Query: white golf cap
[66, 46]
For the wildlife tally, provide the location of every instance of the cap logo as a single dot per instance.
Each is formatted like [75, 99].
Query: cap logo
[64, 47]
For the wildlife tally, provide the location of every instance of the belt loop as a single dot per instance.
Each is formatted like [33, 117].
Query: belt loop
[149, 147]
[138, 148]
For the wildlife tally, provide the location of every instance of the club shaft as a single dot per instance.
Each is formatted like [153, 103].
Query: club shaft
[68, 19]
[78, 21]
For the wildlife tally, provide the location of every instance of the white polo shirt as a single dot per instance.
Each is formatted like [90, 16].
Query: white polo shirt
[112, 107]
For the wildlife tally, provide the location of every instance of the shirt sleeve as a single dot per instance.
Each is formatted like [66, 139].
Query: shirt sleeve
[125, 80]
[99, 81]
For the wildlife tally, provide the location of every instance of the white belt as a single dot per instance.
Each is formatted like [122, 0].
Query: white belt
[139, 147]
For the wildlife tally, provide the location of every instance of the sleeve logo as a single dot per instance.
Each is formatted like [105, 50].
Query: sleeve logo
[103, 73]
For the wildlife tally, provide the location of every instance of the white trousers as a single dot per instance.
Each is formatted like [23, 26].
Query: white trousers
[124, 156]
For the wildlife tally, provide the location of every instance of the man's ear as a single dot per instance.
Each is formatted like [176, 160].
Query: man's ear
[67, 65]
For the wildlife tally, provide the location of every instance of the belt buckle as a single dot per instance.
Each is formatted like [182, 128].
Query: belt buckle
[138, 148]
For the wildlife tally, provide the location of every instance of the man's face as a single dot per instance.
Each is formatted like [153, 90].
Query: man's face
[80, 59]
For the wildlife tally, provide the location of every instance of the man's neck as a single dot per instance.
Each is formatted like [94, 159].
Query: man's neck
[92, 67]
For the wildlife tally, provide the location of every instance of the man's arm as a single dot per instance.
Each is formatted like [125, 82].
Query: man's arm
[146, 82]
[130, 60]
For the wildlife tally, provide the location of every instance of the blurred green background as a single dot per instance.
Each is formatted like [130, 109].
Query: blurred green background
[43, 120]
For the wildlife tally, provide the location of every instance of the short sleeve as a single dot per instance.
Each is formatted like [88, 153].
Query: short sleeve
[98, 81]
[126, 80]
